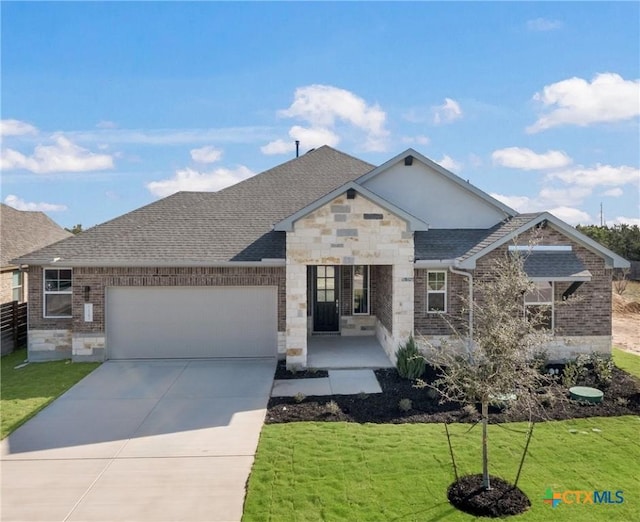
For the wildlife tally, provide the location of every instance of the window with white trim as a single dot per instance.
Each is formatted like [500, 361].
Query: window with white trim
[538, 305]
[16, 286]
[57, 292]
[436, 291]
[361, 290]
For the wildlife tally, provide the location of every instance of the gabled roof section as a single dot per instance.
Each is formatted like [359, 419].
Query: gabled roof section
[234, 225]
[442, 171]
[414, 223]
[24, 232]
[555, 266]
[509, 229]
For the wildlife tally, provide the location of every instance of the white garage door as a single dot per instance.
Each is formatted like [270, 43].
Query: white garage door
[191, 322]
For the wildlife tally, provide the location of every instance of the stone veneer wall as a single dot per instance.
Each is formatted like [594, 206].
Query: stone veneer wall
[88, 342]
[348, 232]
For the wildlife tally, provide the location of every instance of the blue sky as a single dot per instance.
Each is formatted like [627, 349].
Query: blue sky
[109, 106]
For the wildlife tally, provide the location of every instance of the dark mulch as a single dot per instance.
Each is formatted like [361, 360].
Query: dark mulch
[282, 373]
[502, 500]
[622, 397]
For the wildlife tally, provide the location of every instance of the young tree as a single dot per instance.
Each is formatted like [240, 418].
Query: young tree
[497, 362]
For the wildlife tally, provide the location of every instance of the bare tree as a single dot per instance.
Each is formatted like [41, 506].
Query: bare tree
[496, 364]
[620, 280]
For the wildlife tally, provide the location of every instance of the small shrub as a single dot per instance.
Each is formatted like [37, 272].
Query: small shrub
[405, 405]
[411, 363]
[299, 397]
[602, 368]
[432, 394]
[622, 401]
[574, 372]
[332, 408]
[540, 361]
[470, 410]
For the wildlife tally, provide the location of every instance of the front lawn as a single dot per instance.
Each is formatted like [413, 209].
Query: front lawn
[626, 361]
[25, 391]
[345, 471]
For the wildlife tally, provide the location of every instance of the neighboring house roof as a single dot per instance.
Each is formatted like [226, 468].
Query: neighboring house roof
[24, 232]
[413, 222]
[204, 228]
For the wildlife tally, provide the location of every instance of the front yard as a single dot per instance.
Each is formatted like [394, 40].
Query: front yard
[309, 471]
[381, 472]
[25, 391]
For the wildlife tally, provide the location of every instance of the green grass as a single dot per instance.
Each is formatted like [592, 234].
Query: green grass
[626, 361]
[25, 391]
[340, 471]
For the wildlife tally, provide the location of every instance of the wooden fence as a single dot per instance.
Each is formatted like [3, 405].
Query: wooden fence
[13, 326]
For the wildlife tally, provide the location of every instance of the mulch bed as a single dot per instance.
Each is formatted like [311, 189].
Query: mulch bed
[622, 397]
[502, 500]
[283, 374]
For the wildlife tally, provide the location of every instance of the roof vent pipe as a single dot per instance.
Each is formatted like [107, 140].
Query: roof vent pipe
[297, 148]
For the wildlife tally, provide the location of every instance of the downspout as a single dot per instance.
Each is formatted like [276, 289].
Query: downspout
[470, 279]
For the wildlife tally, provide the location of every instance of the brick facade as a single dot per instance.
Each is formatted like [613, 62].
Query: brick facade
[454, 320]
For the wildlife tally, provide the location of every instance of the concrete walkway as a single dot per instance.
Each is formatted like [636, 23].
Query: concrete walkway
[339, 382]
[141, 441]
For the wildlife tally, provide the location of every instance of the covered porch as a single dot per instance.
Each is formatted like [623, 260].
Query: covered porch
[332, 352]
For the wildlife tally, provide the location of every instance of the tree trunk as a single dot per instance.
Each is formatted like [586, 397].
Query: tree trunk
[485, 450]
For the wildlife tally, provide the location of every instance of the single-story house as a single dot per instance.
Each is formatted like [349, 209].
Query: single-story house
[22, 232]
[324, 244]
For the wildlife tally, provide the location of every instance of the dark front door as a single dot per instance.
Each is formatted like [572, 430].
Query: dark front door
[325, 296]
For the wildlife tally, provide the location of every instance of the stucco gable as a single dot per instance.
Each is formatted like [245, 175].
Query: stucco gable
[430, 192]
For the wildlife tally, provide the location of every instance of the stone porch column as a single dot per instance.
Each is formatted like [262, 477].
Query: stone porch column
[296, 321]
[402, 302]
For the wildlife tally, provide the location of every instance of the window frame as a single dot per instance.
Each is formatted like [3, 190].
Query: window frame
[433, 292]
[46, 292]
[539, 302]
[19, 286]
[367, 290]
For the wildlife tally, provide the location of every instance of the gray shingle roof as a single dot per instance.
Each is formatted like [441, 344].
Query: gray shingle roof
[436, 244]
[24, 232]
[555, 265]
[234, 224]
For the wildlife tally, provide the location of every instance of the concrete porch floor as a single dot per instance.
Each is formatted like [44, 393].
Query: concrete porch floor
[333, 352]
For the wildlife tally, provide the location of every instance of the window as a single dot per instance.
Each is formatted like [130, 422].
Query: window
[57, 292]
[436, 292]
[16, 286]
[360, 289]
[538, 305]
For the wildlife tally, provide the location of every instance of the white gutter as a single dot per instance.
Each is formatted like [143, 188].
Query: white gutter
[470, 304]
[433, 263]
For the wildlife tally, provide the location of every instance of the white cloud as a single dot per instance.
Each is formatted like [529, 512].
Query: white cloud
[549, 197]
[448, 112]
[62, 156]
[192, 180]
[207, 154]
[607, 98]
[526, 159]
[16, 128]
[475, 160]
[622, 220]
[106, 124]
[324, 108]
[544, 24]
[614, 192]
[417, 140]
[573, 216]
[605, 175]
[21, 204]
[450, 164]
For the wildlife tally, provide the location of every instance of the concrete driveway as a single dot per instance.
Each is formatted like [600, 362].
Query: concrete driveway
[141, 441]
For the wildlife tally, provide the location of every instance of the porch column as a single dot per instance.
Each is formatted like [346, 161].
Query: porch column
[296, 341]
[402, 303]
